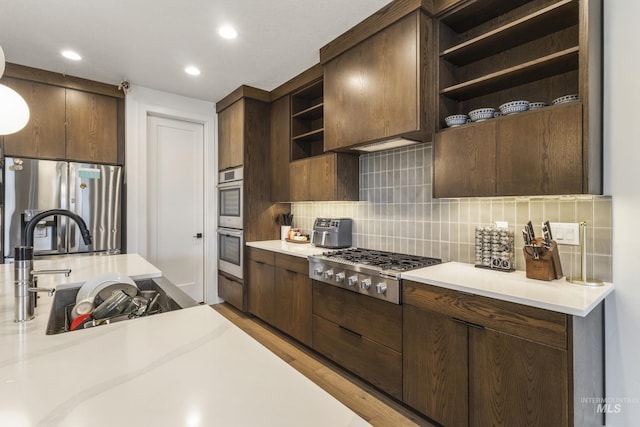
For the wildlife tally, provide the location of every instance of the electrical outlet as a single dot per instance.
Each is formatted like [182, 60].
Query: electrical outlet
[566, 233]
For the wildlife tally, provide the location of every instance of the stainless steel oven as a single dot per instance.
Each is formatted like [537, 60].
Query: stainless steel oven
[230, 198]
[231, 251]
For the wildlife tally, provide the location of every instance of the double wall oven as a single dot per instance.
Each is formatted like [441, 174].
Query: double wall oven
[230, 222]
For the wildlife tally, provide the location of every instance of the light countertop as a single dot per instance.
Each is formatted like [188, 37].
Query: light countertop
[556, 295]
[302, 250]
[189, 367]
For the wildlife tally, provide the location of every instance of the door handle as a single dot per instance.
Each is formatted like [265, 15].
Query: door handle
[198, 236]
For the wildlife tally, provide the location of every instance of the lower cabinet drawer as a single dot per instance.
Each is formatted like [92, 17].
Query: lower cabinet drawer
[232, 292]
[376, 363]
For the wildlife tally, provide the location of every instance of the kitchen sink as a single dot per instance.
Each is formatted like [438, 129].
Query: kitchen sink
[170, 298]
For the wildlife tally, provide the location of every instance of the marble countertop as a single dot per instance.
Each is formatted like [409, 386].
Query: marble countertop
[302, 250]
[189, 367]
[556, 295]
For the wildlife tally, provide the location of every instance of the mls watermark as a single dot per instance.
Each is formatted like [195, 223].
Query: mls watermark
[609, 405]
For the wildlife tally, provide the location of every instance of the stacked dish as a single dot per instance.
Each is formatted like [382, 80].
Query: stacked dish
[537, 105]
[456, 120]
[514, 107]
[481, 114]
[565, 98]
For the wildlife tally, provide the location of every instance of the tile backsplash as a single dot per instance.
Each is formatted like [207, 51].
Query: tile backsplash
[397, 213]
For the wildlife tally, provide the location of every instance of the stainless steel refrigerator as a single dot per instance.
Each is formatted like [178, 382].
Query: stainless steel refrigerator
[90, 190]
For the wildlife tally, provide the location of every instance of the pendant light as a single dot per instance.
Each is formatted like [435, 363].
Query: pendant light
[14, 112]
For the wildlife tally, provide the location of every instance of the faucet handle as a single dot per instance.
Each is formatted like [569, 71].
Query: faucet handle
[65, 271]
[49, 291]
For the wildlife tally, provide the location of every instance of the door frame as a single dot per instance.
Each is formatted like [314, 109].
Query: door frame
[136, 171]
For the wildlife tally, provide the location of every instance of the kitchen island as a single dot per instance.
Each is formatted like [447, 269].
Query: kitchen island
[189, 367]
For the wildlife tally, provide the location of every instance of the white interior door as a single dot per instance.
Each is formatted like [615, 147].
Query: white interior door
[176, 202]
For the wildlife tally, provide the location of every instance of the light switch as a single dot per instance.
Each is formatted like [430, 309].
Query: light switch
[566, 233]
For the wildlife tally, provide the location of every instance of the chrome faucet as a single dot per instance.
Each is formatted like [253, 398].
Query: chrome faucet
[25, 277]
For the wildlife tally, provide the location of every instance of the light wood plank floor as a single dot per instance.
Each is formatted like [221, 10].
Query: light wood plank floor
[370, 404]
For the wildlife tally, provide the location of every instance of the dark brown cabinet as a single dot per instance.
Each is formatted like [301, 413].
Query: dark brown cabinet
[65, 124]
[232, 290]
[231, 134]
[261, 284]
[243, 140]
[533, 153]
[44, 135]
[494, 52]
[307, 121]
[470, 360]
[280, 149]
[92, 127]
[331, 176]
[362, 334]
[435, 349]
[280, 292]
[301, 170]
[381, 87]
[514, 381]
[464, 162]
[293, 297]
[540, 152]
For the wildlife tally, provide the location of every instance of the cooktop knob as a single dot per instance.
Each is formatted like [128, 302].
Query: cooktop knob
[318, 271]
[365, 284]
[353, 280]
[339, 277]
[381, 288]
[328, 274]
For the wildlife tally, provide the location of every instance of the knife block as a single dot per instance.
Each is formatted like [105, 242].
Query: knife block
[547, 266]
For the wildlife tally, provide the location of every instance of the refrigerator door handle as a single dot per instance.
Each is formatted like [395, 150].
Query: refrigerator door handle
[61, 224]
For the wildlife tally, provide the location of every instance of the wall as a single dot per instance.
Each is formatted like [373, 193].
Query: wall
[622, 175]
[397, 213]
[140, 102]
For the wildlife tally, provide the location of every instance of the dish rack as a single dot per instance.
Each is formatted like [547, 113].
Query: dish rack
[495, 248]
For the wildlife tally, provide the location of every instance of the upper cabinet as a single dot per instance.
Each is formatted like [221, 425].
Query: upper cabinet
[231, 135]
[92, 127]
[301, 170]
[44, 135]
[379, 79]
[71, 119]
[494, 52]
[280, 148]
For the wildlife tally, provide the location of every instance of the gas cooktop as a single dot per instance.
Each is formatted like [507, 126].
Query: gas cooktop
[381, 259]
[370, 272]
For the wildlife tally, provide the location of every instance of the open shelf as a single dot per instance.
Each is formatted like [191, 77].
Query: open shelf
[474, 13]
[538, 69]
[314, 135]
[541, 23]
[307, 121]
[312, 113]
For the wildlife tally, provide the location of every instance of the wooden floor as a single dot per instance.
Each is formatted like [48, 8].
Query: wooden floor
[370, 404]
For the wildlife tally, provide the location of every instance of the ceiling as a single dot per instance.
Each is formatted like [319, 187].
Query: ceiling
[149, 43]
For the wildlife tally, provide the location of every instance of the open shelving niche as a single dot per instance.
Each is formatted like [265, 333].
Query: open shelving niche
[307, 121]
[494, 52]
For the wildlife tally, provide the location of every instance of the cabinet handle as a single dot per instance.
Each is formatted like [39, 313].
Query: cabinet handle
[464, 322]
[475, 325]
[350, 331]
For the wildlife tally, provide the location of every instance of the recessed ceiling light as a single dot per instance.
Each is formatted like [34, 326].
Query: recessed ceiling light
[69, 54]
[227, 32]
[194, 71]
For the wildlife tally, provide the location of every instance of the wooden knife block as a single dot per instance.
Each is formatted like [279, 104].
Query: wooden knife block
[547, 266]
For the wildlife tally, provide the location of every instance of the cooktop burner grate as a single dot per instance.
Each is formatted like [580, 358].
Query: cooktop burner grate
[381, 259]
